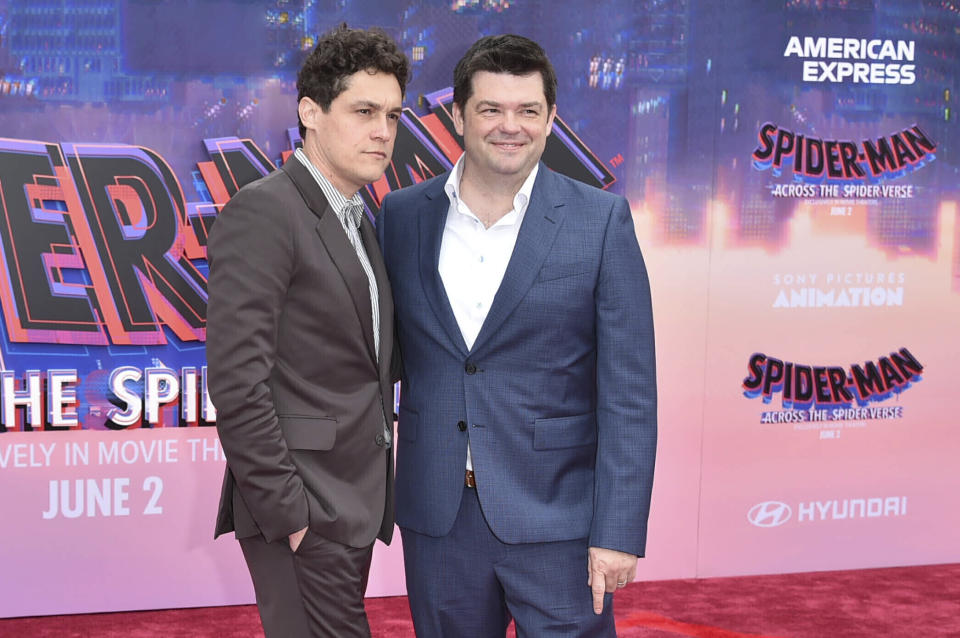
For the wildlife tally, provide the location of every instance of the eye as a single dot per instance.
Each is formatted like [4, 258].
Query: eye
[531, 112]
[394, 116]
[363, 111]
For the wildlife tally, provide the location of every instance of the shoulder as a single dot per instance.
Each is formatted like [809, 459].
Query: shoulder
[263, 205]
[270, 187]
[403, 197]
[574, 191]
[274, 184]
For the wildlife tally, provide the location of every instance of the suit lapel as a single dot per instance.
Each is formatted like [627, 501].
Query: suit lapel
[340, 249]
[431, 222]
[541, 221]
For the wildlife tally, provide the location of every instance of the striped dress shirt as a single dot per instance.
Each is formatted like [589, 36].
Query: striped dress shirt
[350, 212]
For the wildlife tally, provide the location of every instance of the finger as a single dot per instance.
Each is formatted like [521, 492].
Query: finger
[598, 589]
[296, 538]
[611, 581]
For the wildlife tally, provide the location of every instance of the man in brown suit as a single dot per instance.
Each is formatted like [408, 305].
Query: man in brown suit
[299, 338]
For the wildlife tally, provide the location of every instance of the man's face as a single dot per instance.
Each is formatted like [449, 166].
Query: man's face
[352, 143]
[504, 125]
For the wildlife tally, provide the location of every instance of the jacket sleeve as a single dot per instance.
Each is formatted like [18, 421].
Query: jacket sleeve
[626, 391]
[252, 258]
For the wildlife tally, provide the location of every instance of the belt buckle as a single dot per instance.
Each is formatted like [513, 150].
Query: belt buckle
[469, 479]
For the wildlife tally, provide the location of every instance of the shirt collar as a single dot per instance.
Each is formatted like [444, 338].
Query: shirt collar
[347, 210]
[520, 201]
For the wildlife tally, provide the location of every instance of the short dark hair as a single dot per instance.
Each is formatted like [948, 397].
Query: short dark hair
[506, 53]
[340, 53]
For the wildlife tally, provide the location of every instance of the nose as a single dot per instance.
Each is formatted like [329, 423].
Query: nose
[510, 123]
[383, 131]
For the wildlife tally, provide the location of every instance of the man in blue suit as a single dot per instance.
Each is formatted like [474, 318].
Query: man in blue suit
[527, 425]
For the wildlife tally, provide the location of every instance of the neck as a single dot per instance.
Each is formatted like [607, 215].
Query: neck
[318, 162]
[489, 205]
[489, 199]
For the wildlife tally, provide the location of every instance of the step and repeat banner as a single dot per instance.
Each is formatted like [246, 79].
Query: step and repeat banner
[794, 175]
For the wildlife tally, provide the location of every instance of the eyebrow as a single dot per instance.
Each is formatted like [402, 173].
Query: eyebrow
[483, 103]
[370, 104]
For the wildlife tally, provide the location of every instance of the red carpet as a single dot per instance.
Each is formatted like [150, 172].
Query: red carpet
[902, 602]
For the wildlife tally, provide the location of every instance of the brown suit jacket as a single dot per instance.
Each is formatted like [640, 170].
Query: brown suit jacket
[300, 397]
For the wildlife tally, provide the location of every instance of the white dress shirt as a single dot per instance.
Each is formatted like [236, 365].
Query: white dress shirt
[473, 258]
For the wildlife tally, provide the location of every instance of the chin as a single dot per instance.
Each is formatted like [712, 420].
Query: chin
[514, 168]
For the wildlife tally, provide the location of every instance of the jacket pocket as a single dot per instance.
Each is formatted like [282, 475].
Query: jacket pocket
[563, 432]
[550, 272]
[308, 432]
[407, 422]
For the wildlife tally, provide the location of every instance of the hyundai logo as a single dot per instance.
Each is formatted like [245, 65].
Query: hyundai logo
[769, 514]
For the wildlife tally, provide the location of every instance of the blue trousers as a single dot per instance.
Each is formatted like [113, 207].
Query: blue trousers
[469, 584]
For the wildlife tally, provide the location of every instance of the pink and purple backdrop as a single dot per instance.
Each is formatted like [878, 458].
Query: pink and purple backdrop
[125, 129]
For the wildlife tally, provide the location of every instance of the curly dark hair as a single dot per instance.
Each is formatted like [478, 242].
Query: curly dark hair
[340, 53]
[507, 53]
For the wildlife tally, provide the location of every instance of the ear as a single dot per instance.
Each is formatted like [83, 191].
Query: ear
[309, 112]
[550, 116]
[458, 119]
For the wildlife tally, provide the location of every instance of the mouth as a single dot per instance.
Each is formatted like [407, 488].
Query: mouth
[380, 155]
[508, 146]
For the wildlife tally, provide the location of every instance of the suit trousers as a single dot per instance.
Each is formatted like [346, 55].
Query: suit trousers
[470, 584]
[315, 592]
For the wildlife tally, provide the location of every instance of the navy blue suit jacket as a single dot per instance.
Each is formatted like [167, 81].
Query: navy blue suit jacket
[557, 395]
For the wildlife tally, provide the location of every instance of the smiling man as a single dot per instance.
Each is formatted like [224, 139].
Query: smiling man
[527, 428]
[299, 338]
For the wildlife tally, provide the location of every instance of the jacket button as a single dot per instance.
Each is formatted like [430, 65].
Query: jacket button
[381, 440]
[470, 368]
[462, 426]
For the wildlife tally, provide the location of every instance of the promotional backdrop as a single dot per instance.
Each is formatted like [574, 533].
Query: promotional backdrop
[793, 173]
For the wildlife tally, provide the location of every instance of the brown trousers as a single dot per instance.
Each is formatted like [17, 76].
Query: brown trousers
[315, 592]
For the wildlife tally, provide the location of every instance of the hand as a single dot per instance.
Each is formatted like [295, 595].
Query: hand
[608, 569]
[296, 538]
